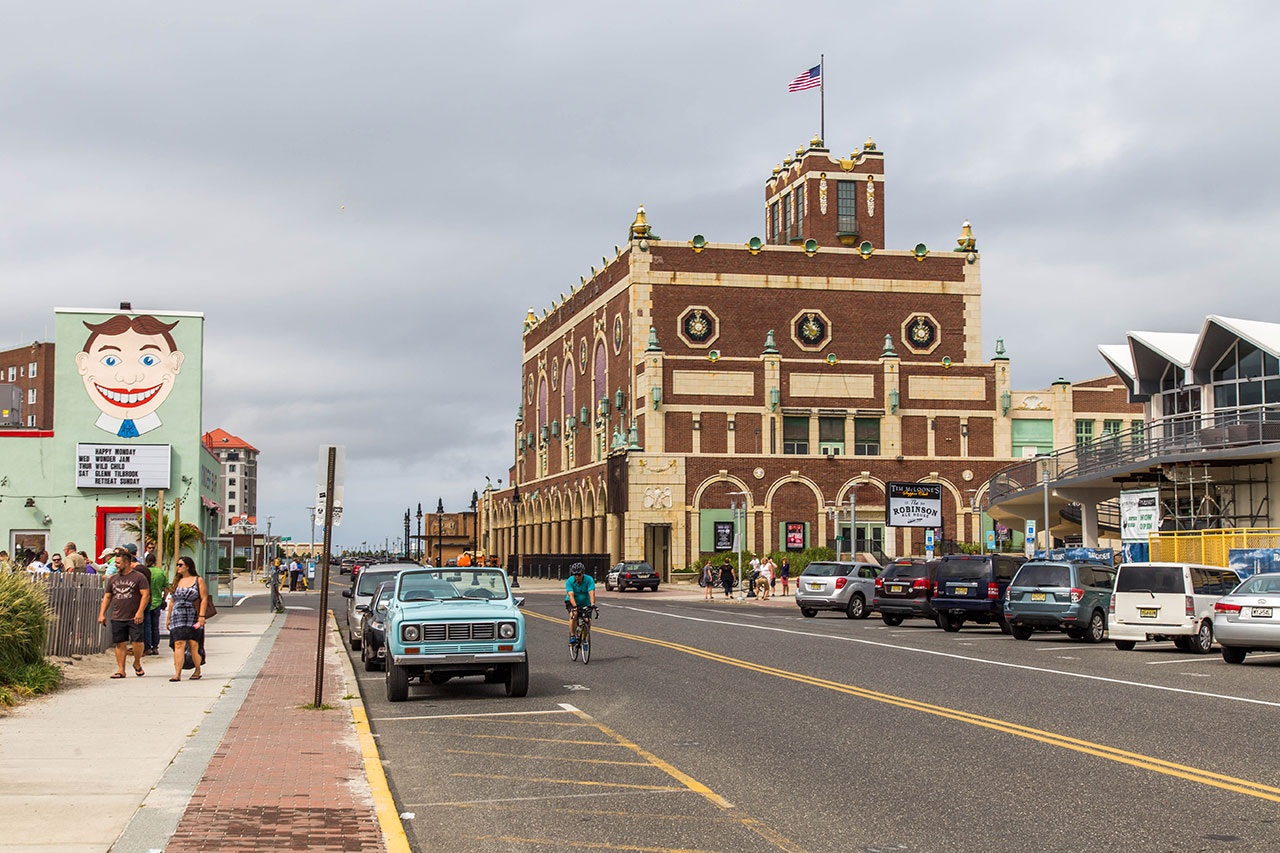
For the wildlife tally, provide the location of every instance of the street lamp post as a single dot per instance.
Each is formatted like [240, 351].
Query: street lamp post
[440, 532]
[311, 511]
[406, 533]
[475, 500]
[515, 536]
[419, 540]
[839, 514]
[740, 533]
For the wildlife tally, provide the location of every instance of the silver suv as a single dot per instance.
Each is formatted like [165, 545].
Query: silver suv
[360, 596]
[846, 586]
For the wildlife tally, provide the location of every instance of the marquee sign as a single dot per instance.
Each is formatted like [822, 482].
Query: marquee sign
[914, 504]
[121, 466]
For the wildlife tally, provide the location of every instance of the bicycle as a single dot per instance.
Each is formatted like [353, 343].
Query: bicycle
[581, 641]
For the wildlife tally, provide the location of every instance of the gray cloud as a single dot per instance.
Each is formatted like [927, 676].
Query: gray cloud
[364, 199]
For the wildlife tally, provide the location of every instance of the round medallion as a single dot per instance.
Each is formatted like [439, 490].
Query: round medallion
[529, 392]
[758, 473]
[811, 330]
[920, 333]
[617, 334]
[582, 356]
[697, 326]
[966, 475]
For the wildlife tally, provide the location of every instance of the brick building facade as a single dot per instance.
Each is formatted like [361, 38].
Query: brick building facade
[26, 387]
[797, 370]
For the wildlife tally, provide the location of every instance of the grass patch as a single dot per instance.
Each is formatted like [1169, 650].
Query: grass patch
[24, 624]
[312, 706]
[349, 696]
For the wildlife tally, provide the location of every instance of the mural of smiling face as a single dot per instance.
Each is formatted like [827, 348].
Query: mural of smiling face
[129, 365]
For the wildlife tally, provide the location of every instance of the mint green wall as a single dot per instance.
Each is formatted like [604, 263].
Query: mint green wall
[707, 531]
[43, 468]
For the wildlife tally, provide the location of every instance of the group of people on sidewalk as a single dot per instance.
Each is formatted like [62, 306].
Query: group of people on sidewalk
[133, 598]
[763, 579]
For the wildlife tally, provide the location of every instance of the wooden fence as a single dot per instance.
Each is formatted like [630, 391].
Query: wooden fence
[74, 600]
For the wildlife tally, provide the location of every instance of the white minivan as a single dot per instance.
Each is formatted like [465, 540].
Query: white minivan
[1167, 601]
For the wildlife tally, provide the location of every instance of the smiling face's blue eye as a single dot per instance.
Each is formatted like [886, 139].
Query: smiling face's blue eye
[110, 360]
[149, 360]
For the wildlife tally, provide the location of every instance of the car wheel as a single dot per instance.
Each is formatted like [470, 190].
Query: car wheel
[1231, 654]
[1202, 642]
[1021, 632]
[355, 642]
[518, 679]
[857, 607]
[1126, 645]
[607, 586]
[950, 623]
[1097, 627]
[808, 612]
[397, 683]
[891, 621]
[1004, 626]
[1182, 644]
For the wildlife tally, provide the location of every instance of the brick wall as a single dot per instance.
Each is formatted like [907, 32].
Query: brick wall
[20, 360]
[915, 436]
[746, 425]
[679, 432]
[715, 432]
[981, 437]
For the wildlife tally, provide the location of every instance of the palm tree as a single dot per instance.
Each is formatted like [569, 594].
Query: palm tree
[189, 535]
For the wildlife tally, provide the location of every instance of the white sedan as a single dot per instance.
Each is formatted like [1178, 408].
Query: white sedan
[1248, 620]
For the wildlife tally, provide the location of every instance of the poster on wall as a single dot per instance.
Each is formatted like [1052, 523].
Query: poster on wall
[723, 535]
[1139, 514]
[914, 504]
[795, 535]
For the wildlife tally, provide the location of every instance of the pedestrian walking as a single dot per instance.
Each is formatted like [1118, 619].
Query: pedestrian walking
[186, 617]
[73, 560]
[784, 571]
[128, 592]
[159, 580]
[707, 581]
[762, 582]
[726, 578]
[293, 576]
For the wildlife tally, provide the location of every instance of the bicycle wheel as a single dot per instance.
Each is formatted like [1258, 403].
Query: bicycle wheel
[573, 650]
[586, 644]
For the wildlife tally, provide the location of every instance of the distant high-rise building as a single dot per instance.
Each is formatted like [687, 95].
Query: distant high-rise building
[239, 483]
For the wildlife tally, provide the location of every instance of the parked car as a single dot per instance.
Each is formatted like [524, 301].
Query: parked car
[970, 588]
[1248, 620]
[1163, 601]
[373, 650]
[1068, 595]
[454, 622]
[631, 574]
[905, 590]
[361, 593]
[848, 586]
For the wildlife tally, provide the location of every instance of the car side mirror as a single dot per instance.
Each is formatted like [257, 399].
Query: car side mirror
[346, 593]
[362, 608]
[519, 602]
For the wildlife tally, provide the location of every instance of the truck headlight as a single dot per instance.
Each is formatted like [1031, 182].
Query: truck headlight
[411, 633]
[507, 630]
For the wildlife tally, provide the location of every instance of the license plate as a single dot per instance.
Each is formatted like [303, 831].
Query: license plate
[1037, 596]
[897, 587]
[960, 590]
[1260, 612]
[815, 586]
[1148, 612]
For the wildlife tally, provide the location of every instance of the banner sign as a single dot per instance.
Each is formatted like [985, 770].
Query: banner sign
[914, 504]
[122, 466]
[1139, 514]
[795, 535]
[1252, 561]
[723, 535]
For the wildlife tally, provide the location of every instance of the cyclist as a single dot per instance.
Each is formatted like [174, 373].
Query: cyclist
[580, 591]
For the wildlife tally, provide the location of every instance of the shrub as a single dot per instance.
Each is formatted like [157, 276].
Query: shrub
[799, 559]
[24, 623]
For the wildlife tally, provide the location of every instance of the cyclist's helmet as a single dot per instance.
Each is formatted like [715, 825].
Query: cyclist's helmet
[577, 568]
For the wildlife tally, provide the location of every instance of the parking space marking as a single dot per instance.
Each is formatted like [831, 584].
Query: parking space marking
[655, 815]
[1203, 659]
[1133, 759]
[590, 845]
[550, 796]
[564, 781]
[513, 737]
[547, 757]
[469, 716]
[1084, 675]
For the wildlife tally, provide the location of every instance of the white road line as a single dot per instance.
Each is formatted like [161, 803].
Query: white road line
[953, 656]
[1184, 660]
[549, 797]
[463, 716]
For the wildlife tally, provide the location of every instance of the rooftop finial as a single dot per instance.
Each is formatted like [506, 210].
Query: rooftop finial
[966, 239]
[640, 228]
[530, 319]
[1000, 350]
[653, 341]
[770, 347]
[888, 348]
[868, 145]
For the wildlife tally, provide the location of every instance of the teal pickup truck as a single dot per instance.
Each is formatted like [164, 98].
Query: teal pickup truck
[454, 622]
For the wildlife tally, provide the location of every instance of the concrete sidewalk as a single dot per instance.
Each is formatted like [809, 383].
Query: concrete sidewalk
[79, 763]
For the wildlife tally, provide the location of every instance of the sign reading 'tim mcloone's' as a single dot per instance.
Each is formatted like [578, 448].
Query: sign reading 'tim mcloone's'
[914, 504]
[119, 466]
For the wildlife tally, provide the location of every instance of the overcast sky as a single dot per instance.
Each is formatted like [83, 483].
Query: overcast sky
[365, 198]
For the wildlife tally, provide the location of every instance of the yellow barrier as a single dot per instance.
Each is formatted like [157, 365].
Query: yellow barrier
[1208, 547]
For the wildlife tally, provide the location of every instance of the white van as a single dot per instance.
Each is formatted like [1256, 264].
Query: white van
[1167, 601]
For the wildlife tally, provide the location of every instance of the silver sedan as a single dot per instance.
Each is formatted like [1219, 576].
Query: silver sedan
[1248, 620]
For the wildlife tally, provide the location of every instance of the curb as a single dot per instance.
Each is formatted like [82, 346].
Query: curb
[393, 834]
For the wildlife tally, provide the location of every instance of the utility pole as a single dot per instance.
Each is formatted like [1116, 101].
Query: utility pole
[440, 532]
[322, 621]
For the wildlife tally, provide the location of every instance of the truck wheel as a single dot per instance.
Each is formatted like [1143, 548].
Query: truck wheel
[397, 683]
[518, 679]
[949, 623]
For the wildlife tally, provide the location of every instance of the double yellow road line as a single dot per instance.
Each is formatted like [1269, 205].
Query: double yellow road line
[1133, 759]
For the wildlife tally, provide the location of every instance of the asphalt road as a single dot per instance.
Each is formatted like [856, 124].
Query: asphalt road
[740, 727]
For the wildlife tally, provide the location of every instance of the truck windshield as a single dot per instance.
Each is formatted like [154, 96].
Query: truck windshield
[452, 584]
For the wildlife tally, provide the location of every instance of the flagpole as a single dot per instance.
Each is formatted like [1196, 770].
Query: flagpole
[822, 97]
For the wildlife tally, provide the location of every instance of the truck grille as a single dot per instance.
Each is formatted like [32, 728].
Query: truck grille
[439, 632]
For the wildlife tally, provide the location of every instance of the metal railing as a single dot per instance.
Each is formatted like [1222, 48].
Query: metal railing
[1208, 547]
[1175, 436]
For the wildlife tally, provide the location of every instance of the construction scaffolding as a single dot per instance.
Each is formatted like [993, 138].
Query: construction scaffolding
[1214, 496]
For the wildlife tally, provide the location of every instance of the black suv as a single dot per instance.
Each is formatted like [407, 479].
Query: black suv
[905, 589]
[970, 588]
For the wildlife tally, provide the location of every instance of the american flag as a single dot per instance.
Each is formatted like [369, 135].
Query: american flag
[808, 80]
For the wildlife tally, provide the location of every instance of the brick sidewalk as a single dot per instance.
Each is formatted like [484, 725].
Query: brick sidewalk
[282, 777]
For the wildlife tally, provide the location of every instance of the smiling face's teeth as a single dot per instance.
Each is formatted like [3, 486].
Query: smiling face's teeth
[128, 398]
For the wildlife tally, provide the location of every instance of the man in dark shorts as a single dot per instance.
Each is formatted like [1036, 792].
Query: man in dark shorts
[128, 592]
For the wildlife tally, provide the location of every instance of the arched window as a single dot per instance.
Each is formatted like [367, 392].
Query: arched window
[542, 403]
[566, 389]
[601, 389]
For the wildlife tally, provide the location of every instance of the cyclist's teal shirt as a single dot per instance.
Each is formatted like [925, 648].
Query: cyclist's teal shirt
[580, 591]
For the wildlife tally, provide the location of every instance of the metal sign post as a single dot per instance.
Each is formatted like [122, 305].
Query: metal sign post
[323, 622]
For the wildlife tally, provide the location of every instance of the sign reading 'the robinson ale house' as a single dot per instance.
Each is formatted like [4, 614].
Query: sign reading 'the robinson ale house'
[118, 466]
